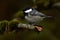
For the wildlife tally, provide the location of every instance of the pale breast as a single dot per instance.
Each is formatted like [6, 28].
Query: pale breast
[33, 18]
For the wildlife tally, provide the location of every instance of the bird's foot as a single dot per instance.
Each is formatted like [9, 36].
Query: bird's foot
[39, 28]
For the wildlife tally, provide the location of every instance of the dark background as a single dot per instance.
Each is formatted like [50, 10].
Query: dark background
[8, 8]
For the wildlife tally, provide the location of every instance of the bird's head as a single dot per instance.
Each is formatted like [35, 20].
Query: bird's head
[27, 10]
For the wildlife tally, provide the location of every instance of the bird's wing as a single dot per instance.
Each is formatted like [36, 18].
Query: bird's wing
[36, 13]
[40, 14]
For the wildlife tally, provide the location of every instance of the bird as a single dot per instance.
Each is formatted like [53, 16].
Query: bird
[33, 17]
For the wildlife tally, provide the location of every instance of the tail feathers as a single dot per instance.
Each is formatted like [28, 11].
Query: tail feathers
[48, 16]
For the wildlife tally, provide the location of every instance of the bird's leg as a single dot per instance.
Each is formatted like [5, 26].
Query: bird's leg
[38, 28]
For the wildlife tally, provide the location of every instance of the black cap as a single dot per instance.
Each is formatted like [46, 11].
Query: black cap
[26, 8]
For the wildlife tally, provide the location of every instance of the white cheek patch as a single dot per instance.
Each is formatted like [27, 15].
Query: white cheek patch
[27, 11]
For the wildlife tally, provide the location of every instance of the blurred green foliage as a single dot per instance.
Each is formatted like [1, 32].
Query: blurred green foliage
[19, 14]
[51, 26]
[3, 25]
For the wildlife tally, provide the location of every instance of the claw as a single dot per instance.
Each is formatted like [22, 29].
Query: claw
[39, 28]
